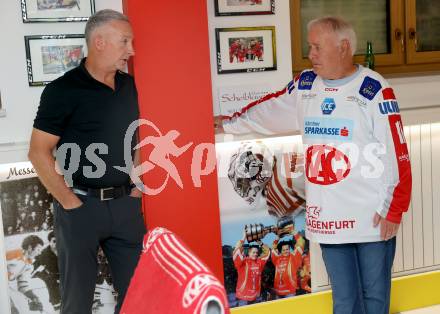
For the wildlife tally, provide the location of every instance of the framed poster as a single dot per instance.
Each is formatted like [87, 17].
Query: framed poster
[243, 7]
[246, 49]
[27, 236]
[56, 10]
[50, 56]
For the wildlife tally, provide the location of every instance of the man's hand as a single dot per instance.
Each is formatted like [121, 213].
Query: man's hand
[72, 203]
[388, 229]
[135, 192]
[218, 124]
[41, 155]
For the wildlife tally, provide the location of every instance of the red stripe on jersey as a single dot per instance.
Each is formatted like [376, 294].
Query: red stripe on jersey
[283, 191]
[158, 259]
[388, 93]
[272, 210]
[287, 168]
[283, 201]
[402, 192]
[275, 202]
[274, 207]
[291, 161]
[187, 255]
[254, 103]
[171, 253]
[297, 78]
[169, 266]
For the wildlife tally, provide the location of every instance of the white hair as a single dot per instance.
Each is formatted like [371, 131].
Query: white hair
[342, 28]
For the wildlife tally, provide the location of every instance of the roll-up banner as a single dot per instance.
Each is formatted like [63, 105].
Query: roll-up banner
[262, 208]
[27, 223]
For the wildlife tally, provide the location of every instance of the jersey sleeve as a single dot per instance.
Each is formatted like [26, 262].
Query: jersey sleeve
[272, 114]
[52, 112]
[396, 180]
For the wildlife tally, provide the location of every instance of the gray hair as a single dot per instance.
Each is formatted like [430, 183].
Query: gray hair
[342, 28]
[101, 18]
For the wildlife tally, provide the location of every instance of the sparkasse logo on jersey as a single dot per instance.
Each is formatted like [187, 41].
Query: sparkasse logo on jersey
[328, 128]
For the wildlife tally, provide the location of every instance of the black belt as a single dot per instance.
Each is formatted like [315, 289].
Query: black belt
[104, 194]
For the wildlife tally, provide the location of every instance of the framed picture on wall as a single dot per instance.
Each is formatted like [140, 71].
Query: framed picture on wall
[246, 49]
[243, 7]
[50, 56]
[56, 10]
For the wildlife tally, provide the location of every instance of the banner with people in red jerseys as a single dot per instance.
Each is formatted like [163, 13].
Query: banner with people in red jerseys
[262, 208]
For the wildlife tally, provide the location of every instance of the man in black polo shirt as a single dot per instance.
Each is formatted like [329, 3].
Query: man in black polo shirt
[89, 110]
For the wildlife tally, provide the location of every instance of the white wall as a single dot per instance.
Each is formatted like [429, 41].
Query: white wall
[20, 101]
[418, 97]
[276, 80]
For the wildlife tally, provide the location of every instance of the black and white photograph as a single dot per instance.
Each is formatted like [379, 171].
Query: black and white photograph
[27, 214]
[56, 10]
[245, 49]
[50, 56]
[243, 7]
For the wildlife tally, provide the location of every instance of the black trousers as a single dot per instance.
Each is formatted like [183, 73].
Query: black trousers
[117, 226]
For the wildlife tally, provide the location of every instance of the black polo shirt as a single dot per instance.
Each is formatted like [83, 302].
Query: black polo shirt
[82, 110]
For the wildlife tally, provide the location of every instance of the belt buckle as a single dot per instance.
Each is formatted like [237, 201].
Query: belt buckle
[102, 194]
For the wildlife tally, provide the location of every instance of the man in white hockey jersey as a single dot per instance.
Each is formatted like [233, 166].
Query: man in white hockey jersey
[358, 174]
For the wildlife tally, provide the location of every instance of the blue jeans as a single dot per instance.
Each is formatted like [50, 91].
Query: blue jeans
[360, 275]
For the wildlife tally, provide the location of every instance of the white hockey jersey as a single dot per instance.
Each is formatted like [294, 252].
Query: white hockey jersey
[357, 161]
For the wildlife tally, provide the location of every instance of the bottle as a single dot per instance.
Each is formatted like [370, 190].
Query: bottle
[369, 56]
